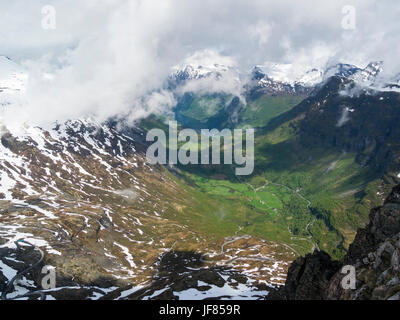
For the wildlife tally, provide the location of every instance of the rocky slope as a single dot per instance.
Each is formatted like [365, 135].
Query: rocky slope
[375, 255]
[115, 227]
[83, 193]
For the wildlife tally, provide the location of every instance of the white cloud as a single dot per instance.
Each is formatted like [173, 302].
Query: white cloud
[216, 73]
[110, 57]
[261, 31]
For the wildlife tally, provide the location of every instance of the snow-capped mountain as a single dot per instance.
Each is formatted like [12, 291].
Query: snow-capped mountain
[260, 82]
[288, 74]
[369, 74]
[310, 78]
[83, 193]
[192, 72]
[342, 70]
[205, 78]
[204, 65]
[13, 81]
[284, 78]
[276, 78]
[216, 73]
[394, 84]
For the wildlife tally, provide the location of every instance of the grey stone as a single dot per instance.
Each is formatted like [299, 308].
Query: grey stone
[371, 257]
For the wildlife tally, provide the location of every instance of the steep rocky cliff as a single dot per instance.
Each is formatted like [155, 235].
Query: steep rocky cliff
[374, 254]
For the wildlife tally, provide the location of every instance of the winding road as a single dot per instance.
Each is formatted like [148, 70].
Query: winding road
[314, 244]
[23, 272]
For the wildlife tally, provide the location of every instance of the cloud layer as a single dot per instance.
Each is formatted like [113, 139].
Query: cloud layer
[110, 57]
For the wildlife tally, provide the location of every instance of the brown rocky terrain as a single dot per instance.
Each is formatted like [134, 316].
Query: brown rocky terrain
[106, 220]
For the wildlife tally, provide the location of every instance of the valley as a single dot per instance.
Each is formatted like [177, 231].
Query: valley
[116, 227]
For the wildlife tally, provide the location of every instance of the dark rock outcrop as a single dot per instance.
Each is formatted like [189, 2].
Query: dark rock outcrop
[384, 223]
[309, 277]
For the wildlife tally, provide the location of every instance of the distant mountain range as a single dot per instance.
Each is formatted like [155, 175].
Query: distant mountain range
[282, 78]
[266, 79]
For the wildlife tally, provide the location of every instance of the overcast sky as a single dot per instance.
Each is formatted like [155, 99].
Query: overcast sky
[106, 55]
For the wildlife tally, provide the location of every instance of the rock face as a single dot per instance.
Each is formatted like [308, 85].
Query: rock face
[374, 255]
[384, 224]
[309, 276]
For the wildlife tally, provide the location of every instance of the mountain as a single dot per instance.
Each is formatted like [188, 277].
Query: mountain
[285, 78]
[114, 227]
[341, 150]
[342, 70]
[286, 73]
[277, 78]
[205, 93]
[13, 80]
[261, 83]
[375, 255]
[218, 96]
[256, 79]
[195, 72]
[83, 193]
[365, 124]
[369, 74]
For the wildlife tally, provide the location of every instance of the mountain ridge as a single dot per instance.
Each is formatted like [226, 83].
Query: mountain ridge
[82, 191]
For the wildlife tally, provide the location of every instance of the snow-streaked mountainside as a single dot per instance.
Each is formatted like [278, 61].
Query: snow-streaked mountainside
[203, 65]
[110, 224]
[13, 81]
[274, 78]
[369, 74]
[115, 227]
[192, 71]
[84, 194]
[286, 74]
[205, 79]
